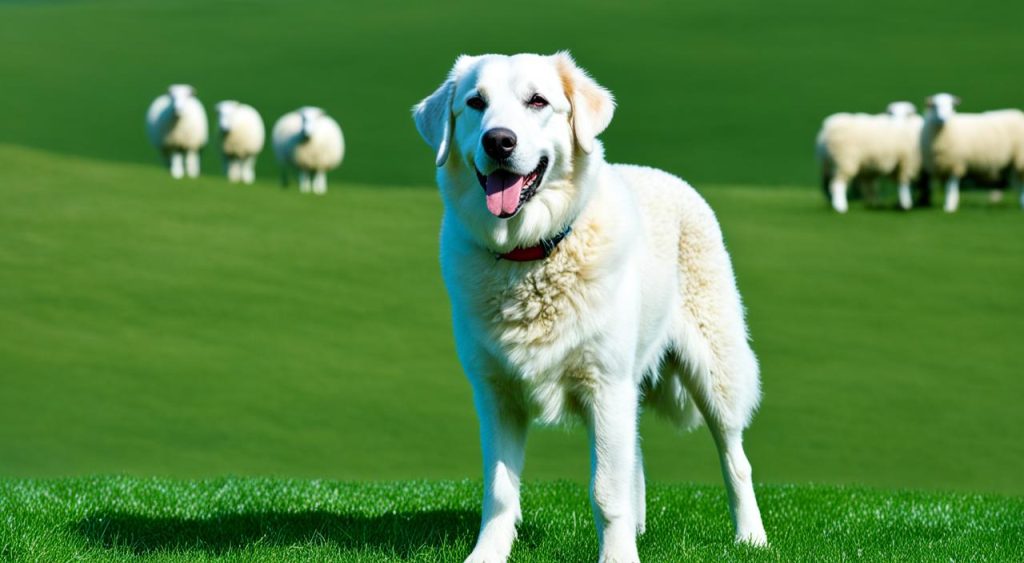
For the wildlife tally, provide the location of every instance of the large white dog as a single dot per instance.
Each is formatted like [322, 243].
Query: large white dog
[581, 288]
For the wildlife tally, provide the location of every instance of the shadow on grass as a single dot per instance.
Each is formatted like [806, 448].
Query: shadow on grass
[401, 534]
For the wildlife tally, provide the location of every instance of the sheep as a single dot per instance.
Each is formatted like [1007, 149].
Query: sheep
[865, 146]
[309, 141]
[982, 144]
[242, 136]
[177, 127]
[901, 109]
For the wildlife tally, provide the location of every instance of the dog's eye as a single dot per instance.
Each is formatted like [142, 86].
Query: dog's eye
[477, 103]
[537, 101]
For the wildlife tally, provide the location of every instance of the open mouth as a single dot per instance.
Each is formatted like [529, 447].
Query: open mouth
[507, 192]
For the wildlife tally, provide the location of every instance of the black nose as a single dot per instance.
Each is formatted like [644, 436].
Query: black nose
[499, 143]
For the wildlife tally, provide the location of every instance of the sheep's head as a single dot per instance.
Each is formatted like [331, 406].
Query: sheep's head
[226, 114]
[901, 110]
[180, 93]
[941, 106]
[309, 115]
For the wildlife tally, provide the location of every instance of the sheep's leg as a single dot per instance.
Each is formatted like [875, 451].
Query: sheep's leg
[906, 199]
[838, 191]
[320, 182]
[249, 170]
[192, 163]
[304, 181]
[952, 194]
[1017, 181]
[234, 169]
[177, 164]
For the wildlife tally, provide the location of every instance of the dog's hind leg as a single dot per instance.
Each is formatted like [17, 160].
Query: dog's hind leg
[739, 483]
[725, 389]
[721, 371]
[503, 424]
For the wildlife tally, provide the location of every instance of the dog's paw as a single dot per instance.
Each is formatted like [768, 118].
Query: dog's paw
[620, 554]
[756, 538]
[620, 558]
[484, 555]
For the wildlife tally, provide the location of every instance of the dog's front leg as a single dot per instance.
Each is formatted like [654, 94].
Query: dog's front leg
[612, 424]
[503, 424]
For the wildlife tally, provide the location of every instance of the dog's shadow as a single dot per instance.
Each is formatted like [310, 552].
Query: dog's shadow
[400, 534]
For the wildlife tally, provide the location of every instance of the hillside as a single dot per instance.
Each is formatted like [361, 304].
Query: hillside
[193, 329]
[722, 92]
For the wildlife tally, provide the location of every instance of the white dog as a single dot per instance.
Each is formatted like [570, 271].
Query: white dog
[580, 287]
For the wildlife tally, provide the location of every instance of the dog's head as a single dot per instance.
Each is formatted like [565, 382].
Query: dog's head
[511, 135]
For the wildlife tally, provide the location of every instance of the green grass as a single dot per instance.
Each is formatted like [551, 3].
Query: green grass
[723, 92]
[123, 518]
[194, 329]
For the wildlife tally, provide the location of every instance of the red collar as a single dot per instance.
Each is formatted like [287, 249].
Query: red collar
[536, 252]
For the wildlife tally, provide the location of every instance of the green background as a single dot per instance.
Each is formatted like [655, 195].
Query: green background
[728, 91]
[195, 328]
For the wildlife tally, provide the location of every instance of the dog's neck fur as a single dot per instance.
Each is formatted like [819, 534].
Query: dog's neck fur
[543, 218]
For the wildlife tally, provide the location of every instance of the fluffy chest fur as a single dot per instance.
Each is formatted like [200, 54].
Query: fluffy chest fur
[541, 325]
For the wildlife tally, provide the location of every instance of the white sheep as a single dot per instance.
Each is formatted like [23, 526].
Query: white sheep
[242, 136]
[867, 146]
[177, 127]
[982, 144]
[309, 141]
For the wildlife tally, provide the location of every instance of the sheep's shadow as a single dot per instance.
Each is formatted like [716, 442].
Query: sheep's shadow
[400, 534]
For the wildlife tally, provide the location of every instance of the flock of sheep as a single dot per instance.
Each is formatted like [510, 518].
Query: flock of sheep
[306, 141]
[986, 147]
[899, 144]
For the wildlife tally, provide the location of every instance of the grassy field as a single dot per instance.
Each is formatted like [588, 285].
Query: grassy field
[229, 519]
[723, 92]
[173, 333]
[193, 329]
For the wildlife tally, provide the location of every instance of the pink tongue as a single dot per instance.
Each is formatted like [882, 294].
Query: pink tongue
[503, 190]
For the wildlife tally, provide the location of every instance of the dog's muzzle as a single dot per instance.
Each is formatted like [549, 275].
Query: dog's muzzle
[507, 191]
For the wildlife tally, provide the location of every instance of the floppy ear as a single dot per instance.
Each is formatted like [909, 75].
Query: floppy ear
[592, 104]
[434, 119]
[433, 115]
